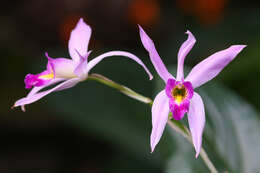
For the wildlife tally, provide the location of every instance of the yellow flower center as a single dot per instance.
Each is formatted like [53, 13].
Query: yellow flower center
[47, 76]
[179, 93]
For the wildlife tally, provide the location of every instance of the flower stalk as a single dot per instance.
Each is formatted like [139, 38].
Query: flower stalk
[123, 89]
[175, 125]
[183, 130]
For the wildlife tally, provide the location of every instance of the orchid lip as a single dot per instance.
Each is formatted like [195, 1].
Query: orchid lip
[179, 94]
[38, 79]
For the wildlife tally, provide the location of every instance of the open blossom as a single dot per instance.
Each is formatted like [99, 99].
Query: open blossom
[68, 71]
[179, 96]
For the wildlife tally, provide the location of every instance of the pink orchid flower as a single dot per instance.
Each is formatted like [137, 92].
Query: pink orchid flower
[70, 71]
[179, 96]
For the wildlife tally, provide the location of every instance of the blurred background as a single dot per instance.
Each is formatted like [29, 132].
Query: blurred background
[93, 128]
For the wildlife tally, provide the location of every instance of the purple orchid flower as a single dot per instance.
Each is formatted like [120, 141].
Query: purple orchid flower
[70, 71]
[179, 96]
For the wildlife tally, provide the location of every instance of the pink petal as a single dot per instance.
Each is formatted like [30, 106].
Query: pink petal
[160, 111]
[210, 67]
[32, 80]
[67, 84]
[81, 69]
[79, 40]
[178, 111]
[36, 89]
[62, 67]
[40, 79]
[33, 97]
[196, 119]
[95, 61]
[171, 83]
[184, 50]
[154, 56]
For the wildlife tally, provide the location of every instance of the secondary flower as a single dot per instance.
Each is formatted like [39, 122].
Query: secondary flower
[179, 96]
[70, 71]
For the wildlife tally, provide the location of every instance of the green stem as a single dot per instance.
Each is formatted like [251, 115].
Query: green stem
[178, 127]
[123, 89]
[175, 125]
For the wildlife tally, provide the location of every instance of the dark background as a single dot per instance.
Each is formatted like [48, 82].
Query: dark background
[92, 128]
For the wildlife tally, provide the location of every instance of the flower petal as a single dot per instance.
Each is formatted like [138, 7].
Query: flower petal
[36, 89]
[66, 85]
[33, 97]
[95, 61]
[196, 119]
[62, 67]
[184, 50]
[37, 80]
[79, 40]
[189, 89]
[171, 83]
[160, 111]
[210, 67]
[154, 56]
[178, 111]
[81, 69]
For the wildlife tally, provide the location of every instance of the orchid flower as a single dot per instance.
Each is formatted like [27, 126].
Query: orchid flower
[70, 71]
[179, 96]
